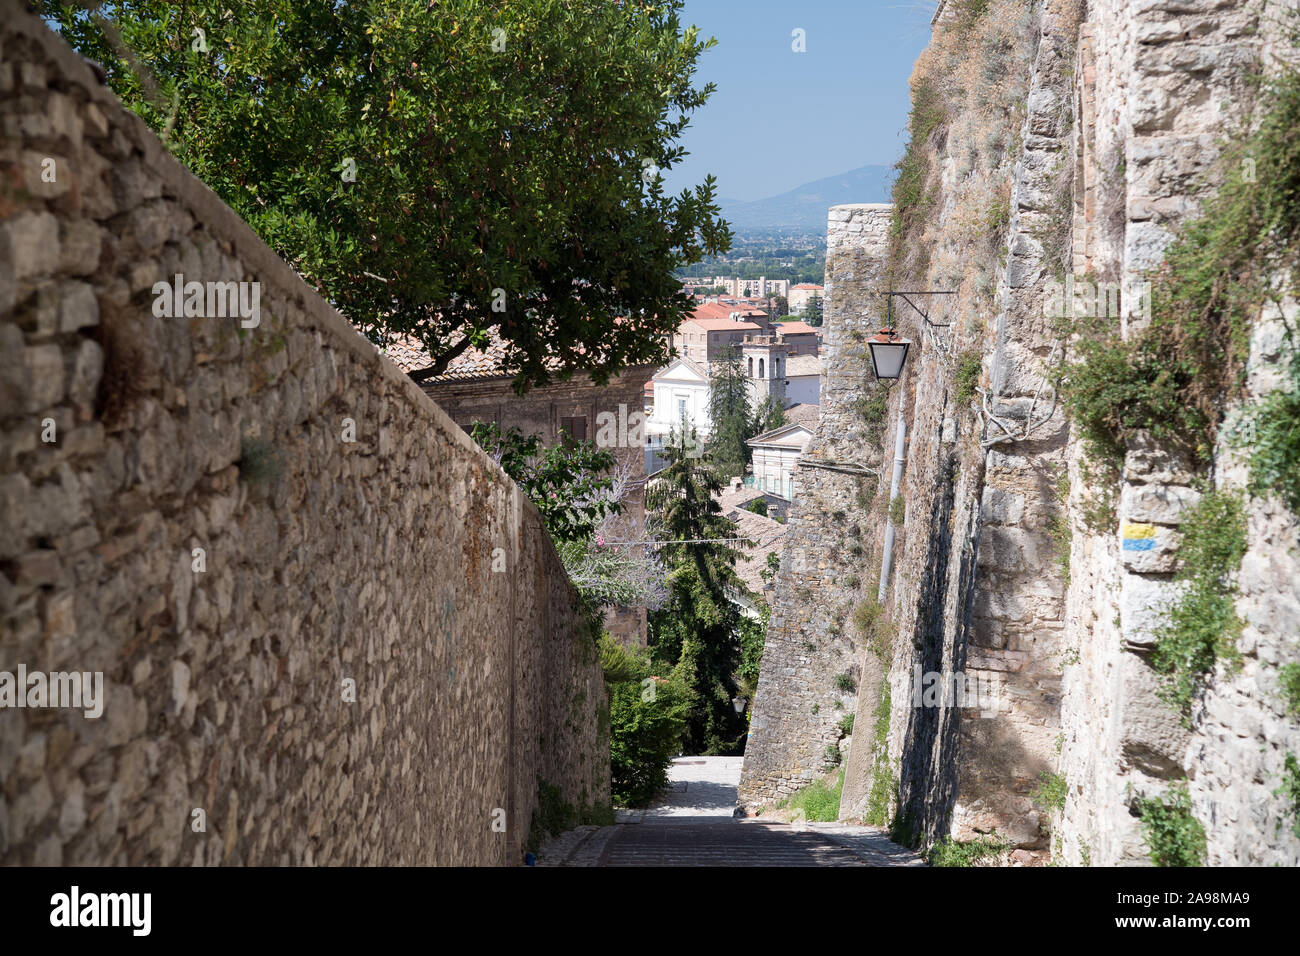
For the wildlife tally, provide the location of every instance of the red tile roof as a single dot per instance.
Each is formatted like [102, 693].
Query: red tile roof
[794, 328]
[410, 356]
[724, 325]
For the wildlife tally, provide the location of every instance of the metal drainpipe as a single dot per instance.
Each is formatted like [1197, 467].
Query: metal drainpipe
[900, 456]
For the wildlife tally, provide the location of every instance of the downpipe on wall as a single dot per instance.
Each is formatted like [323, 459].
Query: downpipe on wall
[900, 456]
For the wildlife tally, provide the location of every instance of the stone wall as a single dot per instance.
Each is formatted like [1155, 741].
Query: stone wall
[1173, 78]
[1006, 570]
[824, 570]
[611, 414]
[330, 630]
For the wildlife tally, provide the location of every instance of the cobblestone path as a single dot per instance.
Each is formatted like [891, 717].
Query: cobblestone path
[694, 826]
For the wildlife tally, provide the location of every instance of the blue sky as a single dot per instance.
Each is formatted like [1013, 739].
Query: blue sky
[780, 118]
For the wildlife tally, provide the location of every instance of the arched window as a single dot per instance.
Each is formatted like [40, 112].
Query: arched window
[760, 368]
[751, 366]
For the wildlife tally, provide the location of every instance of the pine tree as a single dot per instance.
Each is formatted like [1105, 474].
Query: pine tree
[698, 631]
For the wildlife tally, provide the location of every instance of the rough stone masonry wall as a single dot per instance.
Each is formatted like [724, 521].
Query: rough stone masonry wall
[810, 637]
[1017, 620]
[1160, 84]
[325, 560]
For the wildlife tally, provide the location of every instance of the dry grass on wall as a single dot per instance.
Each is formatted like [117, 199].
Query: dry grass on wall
[952, 201]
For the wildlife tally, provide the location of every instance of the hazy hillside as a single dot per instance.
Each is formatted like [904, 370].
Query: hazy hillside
[803, 209]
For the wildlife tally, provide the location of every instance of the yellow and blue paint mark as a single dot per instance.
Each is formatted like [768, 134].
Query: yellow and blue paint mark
[1138, 536]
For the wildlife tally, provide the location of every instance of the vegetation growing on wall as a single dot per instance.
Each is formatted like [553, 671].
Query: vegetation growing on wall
[882, 784]
[553, 815]
[967, 377]
[968, 102]
[869, 618]
[1051, 792]
[1290, 677]
[819, 802]
[1202, 626]
[1290, 791]
[949, 853]
[1172, 835]
[1174, 377]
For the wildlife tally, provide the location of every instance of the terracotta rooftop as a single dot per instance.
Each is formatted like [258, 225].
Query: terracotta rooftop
[804, 413]
[724, 325]
[766, 535]
[411, 356]
[806, 285]
[723, 310]
[794, 328]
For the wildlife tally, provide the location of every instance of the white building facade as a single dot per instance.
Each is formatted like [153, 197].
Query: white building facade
[774, 456]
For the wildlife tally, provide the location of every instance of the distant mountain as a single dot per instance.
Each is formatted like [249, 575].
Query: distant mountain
[802, 210]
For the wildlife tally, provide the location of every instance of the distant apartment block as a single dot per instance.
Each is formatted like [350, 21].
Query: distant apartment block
[801, 294]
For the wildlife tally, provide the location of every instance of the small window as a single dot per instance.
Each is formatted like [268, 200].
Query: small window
[760, 368]
[573, 429]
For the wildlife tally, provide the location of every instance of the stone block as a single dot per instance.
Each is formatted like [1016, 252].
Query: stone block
[29, 243]
[1158, 503]
[1147, 548]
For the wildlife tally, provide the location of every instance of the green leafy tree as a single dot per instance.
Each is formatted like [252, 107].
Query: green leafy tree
[567, 483]
[731, 414]
[446, 171]
[698, 631]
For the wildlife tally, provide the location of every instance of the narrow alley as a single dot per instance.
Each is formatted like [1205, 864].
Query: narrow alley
[694, 826]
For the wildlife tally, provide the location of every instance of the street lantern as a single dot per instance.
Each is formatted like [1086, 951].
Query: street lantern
[888, 353]
[739, 703]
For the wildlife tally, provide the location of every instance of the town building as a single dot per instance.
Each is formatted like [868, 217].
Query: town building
[800, 295]
[764, 359]
[774, 455]
[803, 379]
[801, 337]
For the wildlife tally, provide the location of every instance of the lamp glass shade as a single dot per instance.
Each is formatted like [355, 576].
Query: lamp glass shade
[887, 357]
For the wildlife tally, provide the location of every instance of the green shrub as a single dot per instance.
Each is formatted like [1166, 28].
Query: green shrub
[1202, 626]
[877, 811]
[846, 725]
[1172, 377]
[259, 461]
[873, 406]
[968, 375]
[647, 718]
[897, 511]
[1173, 836]
[846, 683]
[831, 755]
[820, 803]
[1290, 676]
[948, 853]
[758, 506]
[1290, 791]
[1051, 793]
[1275, 451]
[869, 618]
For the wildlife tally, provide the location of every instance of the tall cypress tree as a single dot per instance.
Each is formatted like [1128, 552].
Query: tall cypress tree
[698, 631]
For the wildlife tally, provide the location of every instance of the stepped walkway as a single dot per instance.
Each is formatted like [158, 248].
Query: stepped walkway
[694, 826]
